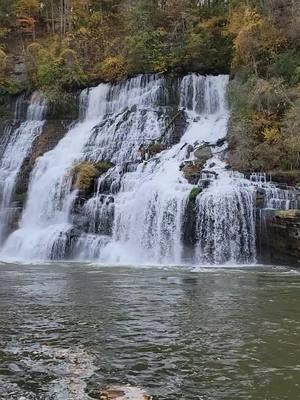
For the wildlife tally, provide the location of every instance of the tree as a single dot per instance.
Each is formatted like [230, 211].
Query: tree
[255, 40]
[27, 12]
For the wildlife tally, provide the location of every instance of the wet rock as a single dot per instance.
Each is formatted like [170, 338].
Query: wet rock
[291, 178]
[279, 236]
[260, 198]
[203, 153]
[189, 226]
[175, 129]
[288, 215]
[207, 174]
[123, 393]
[192, 171]
[151, 150]
[19, 70]
[220, 142]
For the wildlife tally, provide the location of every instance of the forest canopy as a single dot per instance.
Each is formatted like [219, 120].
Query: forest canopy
[67, 44]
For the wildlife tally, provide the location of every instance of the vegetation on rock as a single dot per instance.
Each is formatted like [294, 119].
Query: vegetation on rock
[152, 150]
[193, 194]
[84, 173]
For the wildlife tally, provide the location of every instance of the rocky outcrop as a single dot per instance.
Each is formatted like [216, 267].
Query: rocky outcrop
[189, 236]
[203, 153]
[279, 237]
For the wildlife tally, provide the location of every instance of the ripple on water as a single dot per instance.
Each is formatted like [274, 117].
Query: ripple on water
[214, 334]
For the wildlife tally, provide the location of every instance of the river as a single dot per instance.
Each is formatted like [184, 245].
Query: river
[181, 333]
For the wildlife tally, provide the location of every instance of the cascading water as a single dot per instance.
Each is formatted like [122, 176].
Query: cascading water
[45, 223]
[143, 131]
[143, 203]
[17, 145]
[152, 197]
[226, 222]
[275, 198]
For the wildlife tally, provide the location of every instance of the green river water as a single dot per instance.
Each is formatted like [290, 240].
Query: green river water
[180, 333]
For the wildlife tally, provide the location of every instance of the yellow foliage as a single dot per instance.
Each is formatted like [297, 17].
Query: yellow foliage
[27, 8]
[84, 173]
[114, 68]
[253, 37]
[33, 50]
[3, 60]
[271, 134]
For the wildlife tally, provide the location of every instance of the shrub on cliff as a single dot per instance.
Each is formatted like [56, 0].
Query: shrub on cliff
[114, 68]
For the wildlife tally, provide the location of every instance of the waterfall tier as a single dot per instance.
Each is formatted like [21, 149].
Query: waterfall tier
[16, 144]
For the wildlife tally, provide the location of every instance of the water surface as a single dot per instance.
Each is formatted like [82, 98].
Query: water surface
[224, 333]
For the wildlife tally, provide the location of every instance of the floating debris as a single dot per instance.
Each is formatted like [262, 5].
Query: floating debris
[123, 393]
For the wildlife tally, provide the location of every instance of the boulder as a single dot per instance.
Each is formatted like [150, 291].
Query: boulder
[203, 153]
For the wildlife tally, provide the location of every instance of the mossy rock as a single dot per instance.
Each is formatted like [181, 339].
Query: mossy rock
[193, 194]
[86, 172]
[288, 214]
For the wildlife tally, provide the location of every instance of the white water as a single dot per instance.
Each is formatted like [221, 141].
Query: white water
[275, 198]
[226, 222]
[18, 144]
[139, 209]
[150, 206]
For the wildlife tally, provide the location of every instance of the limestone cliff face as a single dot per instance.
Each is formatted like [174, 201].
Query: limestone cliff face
[278, 236]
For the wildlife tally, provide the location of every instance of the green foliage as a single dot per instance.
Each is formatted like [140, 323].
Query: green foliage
[9, 86]
[287, 66]
[54, 69]
[146, 52]
[207, 49]
[193, 194]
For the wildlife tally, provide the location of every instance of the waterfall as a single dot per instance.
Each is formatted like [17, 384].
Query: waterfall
[17, 145]
[226, 222]
[135, 210]
[274, 197]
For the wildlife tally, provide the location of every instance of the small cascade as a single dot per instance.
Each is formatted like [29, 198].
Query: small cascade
[226, 222]
[275, 197]
[17, 145]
